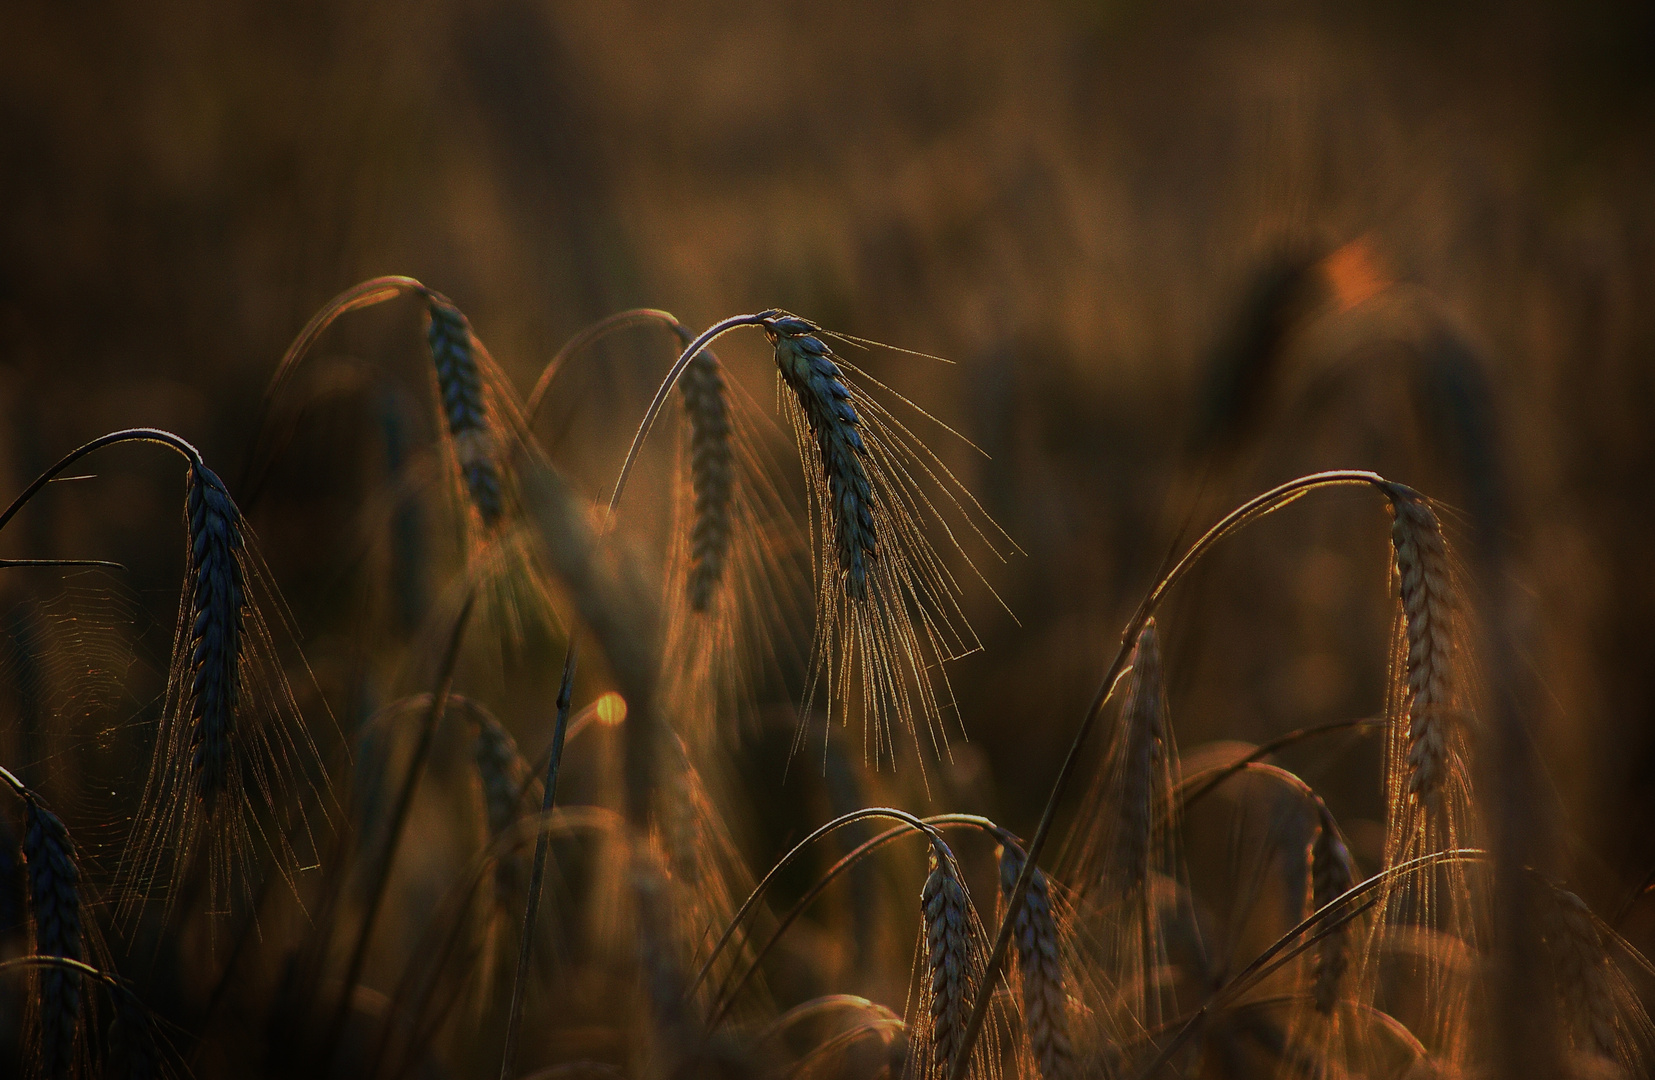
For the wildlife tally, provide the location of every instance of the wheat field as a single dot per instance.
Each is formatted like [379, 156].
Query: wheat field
[956, 542]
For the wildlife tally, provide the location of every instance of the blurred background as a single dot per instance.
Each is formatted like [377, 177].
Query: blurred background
[1177, 253]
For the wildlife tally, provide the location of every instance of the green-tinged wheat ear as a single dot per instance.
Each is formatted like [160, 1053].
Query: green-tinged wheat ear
[1423, 582]
[217, 612]
[1332, 873]
[54, 902]
[807, 367]
[1143, 747]
[1583, 970]
[712, 474]
[948, 959]
[1039, 965]
[460, 383]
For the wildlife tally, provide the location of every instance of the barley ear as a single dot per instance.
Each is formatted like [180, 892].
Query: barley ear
[54, 903]
[807, 367]
[461, 386]
[1332, 873]
[217, 613]
[1039, 965]
[1144, 747]
[1584, 974]
[1424, 585]
[712, 473]
[948, 958]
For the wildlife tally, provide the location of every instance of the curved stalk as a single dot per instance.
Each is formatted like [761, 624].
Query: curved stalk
[597, 331]
[147, 435]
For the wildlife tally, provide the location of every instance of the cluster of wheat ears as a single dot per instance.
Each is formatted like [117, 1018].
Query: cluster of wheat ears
[1099, 961]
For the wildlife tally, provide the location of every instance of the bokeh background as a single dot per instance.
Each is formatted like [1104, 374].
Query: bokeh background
[1177, 253]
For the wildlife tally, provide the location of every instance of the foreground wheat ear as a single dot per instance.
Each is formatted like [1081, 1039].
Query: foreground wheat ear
[234, 772]
[888, 606]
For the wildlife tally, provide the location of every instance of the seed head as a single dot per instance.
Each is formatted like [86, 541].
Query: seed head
[460, 384]
[948, 956]
[712, 473]
[217, 611]
[807, 367]
[1039, 965]
[1423, 582]
[54, 901]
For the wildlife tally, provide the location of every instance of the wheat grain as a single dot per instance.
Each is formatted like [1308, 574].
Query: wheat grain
[217, 608]
[807, 367]
[1423, 582]
[1039, 965]
[460, 384]
[501, 773]
[54, 900]
[948, 956]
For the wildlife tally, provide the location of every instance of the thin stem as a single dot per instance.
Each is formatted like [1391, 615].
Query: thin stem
[908, 820]
[707, 337]
[620, 320]
[525, 949]
[149, 435]
[727, 994]
[362, 295]
[399, 818]
[8, 564]
[1249, 511]
[1210, 780]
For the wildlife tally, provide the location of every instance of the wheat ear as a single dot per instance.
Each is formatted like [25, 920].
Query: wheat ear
[54, 900]
[1039, 964]
[807, 367]
[1332, 873]
[1583, 972]
[461, 386]
[217, 611]
[1143, 747]
[1423, 582]
[947, 955]
[712, 474]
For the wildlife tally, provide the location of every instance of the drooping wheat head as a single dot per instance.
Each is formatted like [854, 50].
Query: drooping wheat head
[887, 604]
[737, 584]
[1121, 855]
[234, 772]
[1040, 964]
[1430, 800]
[704, 869]
[464, 408]
[217, 610]
[950, 964]
[55, 908]
[501, 775]
[1425, 590]
[1604, 1019]
[1332, 873]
